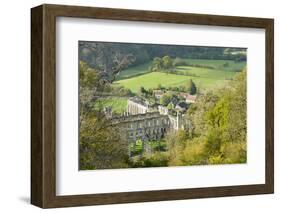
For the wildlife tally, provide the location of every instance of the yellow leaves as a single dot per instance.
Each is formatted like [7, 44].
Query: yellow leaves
[235, 152]
[193, 154]
[216, 160]
[100, 143]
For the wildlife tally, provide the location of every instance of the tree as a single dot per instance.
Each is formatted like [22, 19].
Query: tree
[88, 85]
[100, 144]
[167, 62]
[150, 92]
[176, 142]
[213, 143]
[157, 64]
[87, 76]
[193, 153]
[170, 106]
[165, 99]
[106, 58]
[143, 91]
[218, 127]
[164, 63]
[191, 87]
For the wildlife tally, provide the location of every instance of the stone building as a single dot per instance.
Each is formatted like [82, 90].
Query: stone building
[136, 106]
[158, 93]
[146, 124]
[146, 127]
[191, 98]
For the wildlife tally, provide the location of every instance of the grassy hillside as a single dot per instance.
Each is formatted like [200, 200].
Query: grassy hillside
[206, 73]
[153, 79]
[205, 78]
[225, 65]
[134, 71]
[118, 104]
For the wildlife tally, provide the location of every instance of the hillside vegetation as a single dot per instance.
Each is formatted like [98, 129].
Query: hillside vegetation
[109, 59]
[118, 104]
[207, 74]
[134, 71]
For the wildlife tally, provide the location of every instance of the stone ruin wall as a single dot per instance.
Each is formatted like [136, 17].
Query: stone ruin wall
[148, 126]
[140, 123]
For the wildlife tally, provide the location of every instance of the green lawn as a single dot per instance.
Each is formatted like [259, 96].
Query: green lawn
[226, 65]
[118, 104]
[134, 71]
[153, 79]
[206, 73]
[205, 78]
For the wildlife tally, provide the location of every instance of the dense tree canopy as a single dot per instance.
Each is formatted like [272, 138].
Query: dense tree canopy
[218, 131]
[100, 144]
[167, 62]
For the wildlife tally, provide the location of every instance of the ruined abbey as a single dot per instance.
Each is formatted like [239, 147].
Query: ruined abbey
[142, 122]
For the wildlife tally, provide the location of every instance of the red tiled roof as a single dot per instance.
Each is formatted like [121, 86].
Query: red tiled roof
[191, 97]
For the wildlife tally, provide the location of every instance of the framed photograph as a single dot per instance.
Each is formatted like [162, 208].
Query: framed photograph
[136, 106]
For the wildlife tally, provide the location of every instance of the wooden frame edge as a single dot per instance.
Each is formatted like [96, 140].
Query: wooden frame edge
[269, 118]
[36, 106]
[43, 180]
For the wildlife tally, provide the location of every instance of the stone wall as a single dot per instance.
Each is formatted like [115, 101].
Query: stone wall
[135, 107]
[148, 126]
[141, 123]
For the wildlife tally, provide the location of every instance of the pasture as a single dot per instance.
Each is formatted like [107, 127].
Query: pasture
[153, 79]
[206, 73]
[222, 71]
[118, 104]
[224, 65]
[134, 71]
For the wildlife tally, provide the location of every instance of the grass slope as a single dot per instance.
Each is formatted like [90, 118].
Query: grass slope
[205, 78]
[134, 71]
[153, 79]
[135, 77]
[219, 64]
[118, 104]
[206, 73]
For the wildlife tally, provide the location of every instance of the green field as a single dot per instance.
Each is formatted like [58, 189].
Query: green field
[118, 104]
[134, 71]
[225, 65]
[153, 79]
[205, 78]
[206, 73]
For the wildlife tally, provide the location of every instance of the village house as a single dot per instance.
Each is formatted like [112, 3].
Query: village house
[158, 93]
[184, 94]
[181, 106]
[190, 98]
